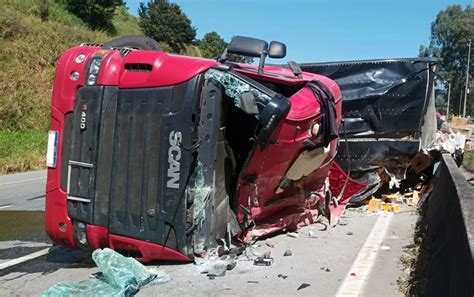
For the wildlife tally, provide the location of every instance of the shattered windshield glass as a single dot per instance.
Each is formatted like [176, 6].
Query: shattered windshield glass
[235, 87]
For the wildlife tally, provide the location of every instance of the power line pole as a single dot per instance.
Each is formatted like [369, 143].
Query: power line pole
[447, 107]
[466, 91]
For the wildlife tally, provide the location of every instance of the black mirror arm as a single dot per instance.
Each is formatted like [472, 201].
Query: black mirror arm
[295, 68]
[223, 57]
[261, 64]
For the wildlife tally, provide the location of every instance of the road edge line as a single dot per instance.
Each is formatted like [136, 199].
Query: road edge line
[358, 274]
[23, 259]
[22, 181]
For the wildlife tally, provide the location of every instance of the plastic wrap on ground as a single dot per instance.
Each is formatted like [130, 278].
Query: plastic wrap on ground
[120, 276]
[235, 87]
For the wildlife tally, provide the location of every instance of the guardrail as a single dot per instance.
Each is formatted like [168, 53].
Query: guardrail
[449, 238]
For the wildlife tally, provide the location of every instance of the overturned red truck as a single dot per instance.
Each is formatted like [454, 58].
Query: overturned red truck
[163, 156]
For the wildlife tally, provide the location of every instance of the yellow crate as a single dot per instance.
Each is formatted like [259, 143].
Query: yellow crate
[391, 197]
[395, 208]
[374, 204]
[386, 206]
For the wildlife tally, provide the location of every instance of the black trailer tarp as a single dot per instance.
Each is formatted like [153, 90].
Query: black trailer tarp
[381, 96]
[386, 104]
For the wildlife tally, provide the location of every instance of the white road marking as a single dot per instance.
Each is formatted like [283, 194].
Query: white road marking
[5, 206]
[358, 274]
[24, 259]
[22, 181]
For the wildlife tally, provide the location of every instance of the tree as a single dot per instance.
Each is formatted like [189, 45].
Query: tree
[240, 59]
[450, 33]
[165, 22]
[97, 14]
[211, 45]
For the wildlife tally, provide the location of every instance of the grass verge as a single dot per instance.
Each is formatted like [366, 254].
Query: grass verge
[414, 262]
[22, 151]
[468, 161]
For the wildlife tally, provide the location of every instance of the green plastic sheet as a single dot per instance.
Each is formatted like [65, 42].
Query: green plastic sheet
[121, 276]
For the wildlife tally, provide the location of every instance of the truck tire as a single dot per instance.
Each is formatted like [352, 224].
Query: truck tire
[136, 42]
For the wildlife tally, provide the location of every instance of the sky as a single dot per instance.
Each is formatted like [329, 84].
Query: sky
[321, 30]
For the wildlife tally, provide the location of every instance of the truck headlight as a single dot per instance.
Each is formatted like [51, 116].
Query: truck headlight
[92, 80]
[80, 233]
[93, 70]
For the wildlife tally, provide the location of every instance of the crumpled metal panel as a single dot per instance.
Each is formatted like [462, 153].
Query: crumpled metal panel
[344, 188]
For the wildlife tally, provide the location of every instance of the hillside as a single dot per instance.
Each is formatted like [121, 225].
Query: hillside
[33, 35]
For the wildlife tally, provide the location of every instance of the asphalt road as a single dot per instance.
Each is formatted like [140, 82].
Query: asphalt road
[323, 260]
[23, 191]
[22, 199]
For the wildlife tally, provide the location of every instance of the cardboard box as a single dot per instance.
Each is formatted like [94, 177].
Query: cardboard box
[458, 122]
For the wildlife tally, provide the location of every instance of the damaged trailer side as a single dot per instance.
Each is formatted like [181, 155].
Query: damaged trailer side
[389, 116]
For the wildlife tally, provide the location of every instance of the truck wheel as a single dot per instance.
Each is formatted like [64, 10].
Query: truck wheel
[136, 42]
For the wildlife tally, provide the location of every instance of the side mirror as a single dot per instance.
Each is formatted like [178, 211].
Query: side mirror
[247, 46]
[277, 50]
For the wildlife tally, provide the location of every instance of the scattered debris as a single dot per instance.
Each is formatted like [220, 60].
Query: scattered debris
[237, 251]
[353, 274]
[302, 286]
[385, 247]
[269, 243]
[391, 204]
[310, 233]
[449, 139]
[420, 162]
[293, 234]
[121, 276]
[231, 264]
[214, 265]
[287, 253]
[217, 268]
[264, 260]
[282, 276]
[325, 269]
[349, 233]
[252, 282]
